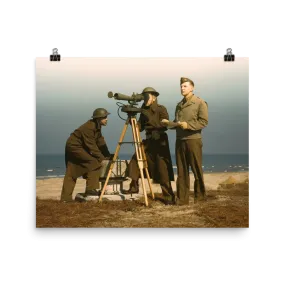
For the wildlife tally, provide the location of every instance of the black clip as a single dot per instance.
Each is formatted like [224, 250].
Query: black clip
[55, 56]
[229, 56]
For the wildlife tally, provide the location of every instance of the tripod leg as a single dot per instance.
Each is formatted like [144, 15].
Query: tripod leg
[114, 158]
[139, 154]
[145, 167]
[143, 185]
[149, 183]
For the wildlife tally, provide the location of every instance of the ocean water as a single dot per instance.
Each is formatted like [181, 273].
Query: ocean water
[53, 165]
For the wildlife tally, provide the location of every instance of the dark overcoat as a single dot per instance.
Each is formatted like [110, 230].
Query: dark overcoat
[156, 143]
[85, 149]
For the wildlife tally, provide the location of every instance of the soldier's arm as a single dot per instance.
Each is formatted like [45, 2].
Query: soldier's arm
[103, 146]
[202, 120]
[90, 144]
[163, 114]
[141, 123]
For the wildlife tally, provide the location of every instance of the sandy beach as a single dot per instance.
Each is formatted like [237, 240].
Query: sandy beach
[51, 188]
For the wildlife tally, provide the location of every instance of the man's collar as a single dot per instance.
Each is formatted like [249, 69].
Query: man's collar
[184, 103]
[187, 99]
[153, 106]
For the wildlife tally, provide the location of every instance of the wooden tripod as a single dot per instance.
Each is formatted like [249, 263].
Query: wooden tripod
[140, 153]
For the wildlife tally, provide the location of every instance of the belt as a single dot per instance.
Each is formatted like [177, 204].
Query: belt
[155, 134]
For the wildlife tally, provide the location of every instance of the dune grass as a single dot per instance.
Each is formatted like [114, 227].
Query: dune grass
[225, 208]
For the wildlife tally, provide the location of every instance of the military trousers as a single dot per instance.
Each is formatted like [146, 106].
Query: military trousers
[69, 182]
[189, 152]
[155, 163]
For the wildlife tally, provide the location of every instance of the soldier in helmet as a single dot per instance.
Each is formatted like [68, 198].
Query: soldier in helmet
[84, 151]
[156, 147]
[191, 114]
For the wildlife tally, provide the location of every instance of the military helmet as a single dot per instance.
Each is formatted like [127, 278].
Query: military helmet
[150, 90]
[100, 113]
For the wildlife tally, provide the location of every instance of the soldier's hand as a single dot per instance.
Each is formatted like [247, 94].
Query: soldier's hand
[165, 122]
[183, 125]
[112, 156]
[109, 157]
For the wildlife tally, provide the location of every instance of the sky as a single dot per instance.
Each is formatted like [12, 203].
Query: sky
[67, 93]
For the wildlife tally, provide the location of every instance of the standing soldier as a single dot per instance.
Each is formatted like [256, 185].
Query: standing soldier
[84, 151]
[156, 147]
[191, 114]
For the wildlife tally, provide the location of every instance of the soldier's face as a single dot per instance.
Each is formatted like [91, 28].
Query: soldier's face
[186, 88]
[149, 99]
[104, 121]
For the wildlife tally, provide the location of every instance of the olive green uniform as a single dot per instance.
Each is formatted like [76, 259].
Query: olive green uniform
[156, 148]
[84, 151]
[188, 149]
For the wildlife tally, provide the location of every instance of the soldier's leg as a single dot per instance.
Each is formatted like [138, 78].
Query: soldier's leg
[133, 169]
[92, 179]
[68, 185]
[151, 162]
[164, 180]
[194, 147]
[183, 180]
[134, 174]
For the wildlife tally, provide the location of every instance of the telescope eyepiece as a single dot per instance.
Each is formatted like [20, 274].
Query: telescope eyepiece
[110, 94]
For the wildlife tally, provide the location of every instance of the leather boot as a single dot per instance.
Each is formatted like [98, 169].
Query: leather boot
[93, 192]
[134, 188]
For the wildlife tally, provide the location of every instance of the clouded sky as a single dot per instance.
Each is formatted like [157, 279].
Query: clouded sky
[67, 92]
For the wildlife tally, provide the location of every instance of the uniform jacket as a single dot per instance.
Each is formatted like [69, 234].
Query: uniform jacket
[85, 149]
[195, 112]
